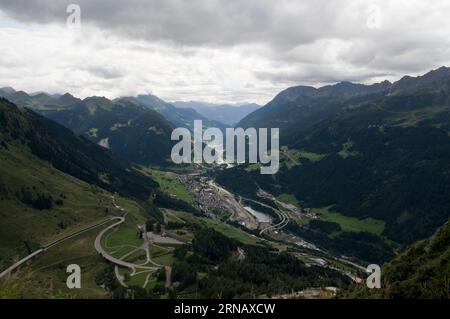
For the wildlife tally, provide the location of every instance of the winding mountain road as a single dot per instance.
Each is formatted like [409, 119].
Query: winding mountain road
[97, 245]
[107, 256]
[284, 218]
[50, 245]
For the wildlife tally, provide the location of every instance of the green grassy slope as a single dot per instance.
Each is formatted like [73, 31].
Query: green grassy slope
[169, 183]
[46, 276]
[53, 183]
[71, 154]
[125, 127]
[24, 227]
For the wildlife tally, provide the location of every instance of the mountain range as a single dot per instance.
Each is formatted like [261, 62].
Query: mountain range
[367, 151]
[136, 128]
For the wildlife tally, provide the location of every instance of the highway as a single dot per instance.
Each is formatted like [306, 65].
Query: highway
[117, 261]
[284, 218]
[50, 245]
[97, 244]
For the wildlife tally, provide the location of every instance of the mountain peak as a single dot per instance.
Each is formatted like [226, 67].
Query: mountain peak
[150, 98]
[293, 93]
[7, 90]
[153, 102]
[346, 88]
[68, 98]
[441, 70]
[67, 95]
[432, 79]
[98, 102]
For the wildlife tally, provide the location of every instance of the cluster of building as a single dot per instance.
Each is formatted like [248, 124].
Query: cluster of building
[207, 198]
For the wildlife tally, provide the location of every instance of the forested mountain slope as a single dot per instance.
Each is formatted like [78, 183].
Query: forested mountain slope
[420, 272]
[380, 151]
[125, 126]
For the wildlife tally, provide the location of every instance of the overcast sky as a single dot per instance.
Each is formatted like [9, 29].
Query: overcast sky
[220, 51]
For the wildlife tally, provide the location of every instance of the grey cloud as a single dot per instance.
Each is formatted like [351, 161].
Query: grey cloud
[105, 72]
[283, 42]
[198, 22]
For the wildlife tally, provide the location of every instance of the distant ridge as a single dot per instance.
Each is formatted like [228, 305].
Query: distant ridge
[229, 114]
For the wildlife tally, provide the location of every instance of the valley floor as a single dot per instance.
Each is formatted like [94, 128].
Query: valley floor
[141, 257]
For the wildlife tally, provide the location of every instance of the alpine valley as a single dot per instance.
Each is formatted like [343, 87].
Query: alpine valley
[364, 179]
